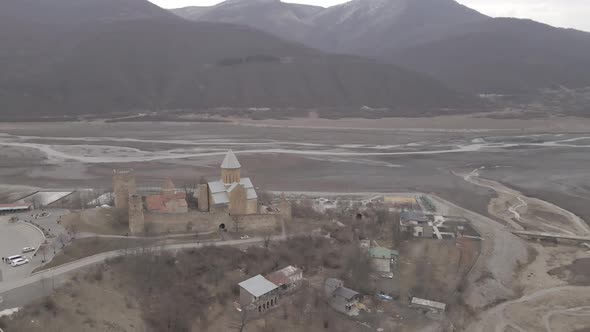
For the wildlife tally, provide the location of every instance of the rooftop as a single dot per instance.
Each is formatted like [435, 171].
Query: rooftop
[281, 276]
[159, 202]
[346, 293]
[428, 303]
[219, 190]
[258, 285]
[15, 206]
[417, 216]
[380, 252]
[230, 161]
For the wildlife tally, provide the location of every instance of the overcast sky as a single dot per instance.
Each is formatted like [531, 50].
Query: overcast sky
[562, 13]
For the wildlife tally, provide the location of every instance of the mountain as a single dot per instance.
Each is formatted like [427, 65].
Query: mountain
[285, 20]
[70, 12]
[133, 56]
[440, 38]
[504, 55]
[375, 27]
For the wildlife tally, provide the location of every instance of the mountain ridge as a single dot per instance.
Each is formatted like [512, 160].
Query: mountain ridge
[442, 39]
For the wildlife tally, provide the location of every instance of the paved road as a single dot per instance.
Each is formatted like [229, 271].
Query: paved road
[17, 293]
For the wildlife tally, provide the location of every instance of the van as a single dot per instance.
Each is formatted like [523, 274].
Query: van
[11, 258]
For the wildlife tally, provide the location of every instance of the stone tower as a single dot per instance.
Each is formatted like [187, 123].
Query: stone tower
[203, 198]
[136, 220]
[230, 168]
[123, 186]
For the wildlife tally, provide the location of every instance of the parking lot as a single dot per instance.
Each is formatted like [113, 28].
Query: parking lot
[13, 238]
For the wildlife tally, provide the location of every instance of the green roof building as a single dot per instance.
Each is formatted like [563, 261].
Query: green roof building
[383, 253]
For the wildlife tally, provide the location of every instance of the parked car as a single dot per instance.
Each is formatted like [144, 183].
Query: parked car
[244, 237]
[387, 275]
[11, 258]
[19, 262]
[28, 249]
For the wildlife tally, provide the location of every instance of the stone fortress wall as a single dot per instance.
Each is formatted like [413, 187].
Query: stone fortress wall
[240, 215]
[203, 222]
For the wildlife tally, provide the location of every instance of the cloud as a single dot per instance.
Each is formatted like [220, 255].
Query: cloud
[561, 13]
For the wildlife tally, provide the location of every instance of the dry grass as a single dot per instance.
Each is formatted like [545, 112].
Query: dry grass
[85, 247]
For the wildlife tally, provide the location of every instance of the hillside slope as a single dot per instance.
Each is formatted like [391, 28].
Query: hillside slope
[159, 61]
[504, 56]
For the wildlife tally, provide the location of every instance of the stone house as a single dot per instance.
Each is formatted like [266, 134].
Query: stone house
[340, 298]
[257, 295]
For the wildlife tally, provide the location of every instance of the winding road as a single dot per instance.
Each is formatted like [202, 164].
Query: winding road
[19, 292]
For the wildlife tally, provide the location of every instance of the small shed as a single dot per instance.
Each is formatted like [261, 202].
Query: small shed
[434, 306]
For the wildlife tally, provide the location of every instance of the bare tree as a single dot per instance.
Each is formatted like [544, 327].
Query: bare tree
[189, 226]
[62, 239]
[243, 319]
[72, 229]
[36, 203]
[43, 249]
[148, 227]
[359, 270]
[189, 190]
[264, 197]
[267, 239]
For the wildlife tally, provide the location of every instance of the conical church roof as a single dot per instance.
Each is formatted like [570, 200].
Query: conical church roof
[230, 161]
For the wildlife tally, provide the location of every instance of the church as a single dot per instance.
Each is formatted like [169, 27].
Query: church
[231, 193]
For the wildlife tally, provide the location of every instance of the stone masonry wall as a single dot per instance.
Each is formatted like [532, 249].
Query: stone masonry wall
[209, 222]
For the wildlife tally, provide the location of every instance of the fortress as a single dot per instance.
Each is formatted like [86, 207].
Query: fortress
[229, 203]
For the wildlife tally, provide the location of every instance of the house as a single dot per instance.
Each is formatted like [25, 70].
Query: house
[258, 294]
[286, 279]
[231, 193]
[340, 298]
[416, 223]
[383, 258]
[168, 201]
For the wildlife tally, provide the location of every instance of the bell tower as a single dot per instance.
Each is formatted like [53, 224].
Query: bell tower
[230, 168]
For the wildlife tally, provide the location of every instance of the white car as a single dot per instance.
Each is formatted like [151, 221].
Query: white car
[19, 262]
[244, 237]
[28, 249]
[388, 275]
